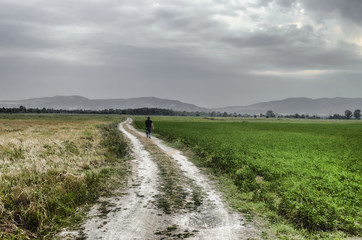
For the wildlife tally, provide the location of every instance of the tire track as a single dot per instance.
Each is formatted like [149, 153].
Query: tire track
[135, 214]
[213, 219]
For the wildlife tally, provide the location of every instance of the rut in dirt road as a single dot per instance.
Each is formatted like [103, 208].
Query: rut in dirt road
[137, 213]
[133, 216]
[213, 219]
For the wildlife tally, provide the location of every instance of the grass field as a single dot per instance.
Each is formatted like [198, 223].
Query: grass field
[50, 166]
[307, 173]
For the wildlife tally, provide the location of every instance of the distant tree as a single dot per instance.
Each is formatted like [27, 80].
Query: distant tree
[269, 114]
[337, 116]
[22, 109]
[348, 114]
[315, 117]
[357, 114]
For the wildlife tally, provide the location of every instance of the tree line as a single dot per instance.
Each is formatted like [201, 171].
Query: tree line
[138, 111]
[348, 114]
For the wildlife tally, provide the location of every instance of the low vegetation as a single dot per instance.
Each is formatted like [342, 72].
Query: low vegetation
[307, 173]
[51, 167]
[169, 112]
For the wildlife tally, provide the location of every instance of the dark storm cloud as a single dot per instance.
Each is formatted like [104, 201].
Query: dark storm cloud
[295, 48]
[287, 36]
[350, 9]
[209, 52]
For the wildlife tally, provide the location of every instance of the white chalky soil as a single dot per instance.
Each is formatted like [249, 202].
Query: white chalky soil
[135, 215]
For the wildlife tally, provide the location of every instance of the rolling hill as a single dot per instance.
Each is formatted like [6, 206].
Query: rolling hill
[321, 106]
[78, 102]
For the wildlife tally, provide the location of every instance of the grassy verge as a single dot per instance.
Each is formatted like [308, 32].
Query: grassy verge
[52, 167]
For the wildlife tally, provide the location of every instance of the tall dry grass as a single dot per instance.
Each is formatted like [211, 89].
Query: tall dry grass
[51, 166]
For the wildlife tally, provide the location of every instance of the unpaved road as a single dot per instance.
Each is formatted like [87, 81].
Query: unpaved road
[136, 214]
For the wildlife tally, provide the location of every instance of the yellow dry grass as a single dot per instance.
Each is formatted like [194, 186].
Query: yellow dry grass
[48, 167]
[40, 145]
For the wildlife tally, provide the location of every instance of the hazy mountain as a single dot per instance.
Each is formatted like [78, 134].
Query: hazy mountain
[321, 106]
[78, 102]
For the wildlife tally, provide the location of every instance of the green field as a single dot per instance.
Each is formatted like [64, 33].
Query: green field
[307, 172]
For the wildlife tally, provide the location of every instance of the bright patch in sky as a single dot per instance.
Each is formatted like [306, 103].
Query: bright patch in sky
[295, 74]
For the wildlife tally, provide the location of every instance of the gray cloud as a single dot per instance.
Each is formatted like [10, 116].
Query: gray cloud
[283, 3]
[210, 52]
[350, 9]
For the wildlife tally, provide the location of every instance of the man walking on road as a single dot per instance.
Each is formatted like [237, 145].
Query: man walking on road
[149, 127]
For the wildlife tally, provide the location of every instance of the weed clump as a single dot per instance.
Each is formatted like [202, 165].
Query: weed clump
[113, 141]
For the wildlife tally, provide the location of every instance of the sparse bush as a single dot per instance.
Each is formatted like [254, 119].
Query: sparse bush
[113, 141]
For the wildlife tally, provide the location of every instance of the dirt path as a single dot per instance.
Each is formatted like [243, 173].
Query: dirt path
[136, 218]
[138, 215]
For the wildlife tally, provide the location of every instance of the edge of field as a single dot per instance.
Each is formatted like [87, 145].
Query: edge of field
[270, 224]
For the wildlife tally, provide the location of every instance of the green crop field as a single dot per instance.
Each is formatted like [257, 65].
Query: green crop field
[307, 172]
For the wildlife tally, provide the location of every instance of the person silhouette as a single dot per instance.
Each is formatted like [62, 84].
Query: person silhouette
[149, 127]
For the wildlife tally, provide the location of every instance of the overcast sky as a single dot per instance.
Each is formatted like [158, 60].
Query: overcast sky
[208, 52]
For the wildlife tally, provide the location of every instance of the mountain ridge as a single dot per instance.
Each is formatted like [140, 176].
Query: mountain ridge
[300, 105]
[78, 102]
